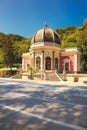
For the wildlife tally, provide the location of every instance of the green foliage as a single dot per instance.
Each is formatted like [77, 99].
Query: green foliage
[31, 69]
[12, 47]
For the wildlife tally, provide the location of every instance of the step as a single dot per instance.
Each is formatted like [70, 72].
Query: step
[52, 76]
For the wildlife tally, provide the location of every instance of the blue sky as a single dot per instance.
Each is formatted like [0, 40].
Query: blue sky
[25, 17]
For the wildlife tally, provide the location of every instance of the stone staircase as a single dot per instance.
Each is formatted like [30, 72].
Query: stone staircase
[52, 76]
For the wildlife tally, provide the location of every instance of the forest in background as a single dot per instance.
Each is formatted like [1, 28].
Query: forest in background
[12, 46]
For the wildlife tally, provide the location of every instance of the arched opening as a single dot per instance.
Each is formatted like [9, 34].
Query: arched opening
[67, 65]
[56, 63]
[28, 67]
[38, 62]
[48, 63]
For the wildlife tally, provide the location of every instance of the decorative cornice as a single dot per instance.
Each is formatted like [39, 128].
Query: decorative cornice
[45, 48]
[70, 53]
[25, 56]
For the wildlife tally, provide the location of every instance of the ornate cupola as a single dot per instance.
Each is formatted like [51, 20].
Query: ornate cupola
[46, 34]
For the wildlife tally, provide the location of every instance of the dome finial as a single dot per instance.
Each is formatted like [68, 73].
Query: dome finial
[46, 25]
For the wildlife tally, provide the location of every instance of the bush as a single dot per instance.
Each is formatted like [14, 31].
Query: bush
[1, 65]
[18, 65]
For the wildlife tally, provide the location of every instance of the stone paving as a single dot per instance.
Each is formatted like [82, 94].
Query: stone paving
[42, 105]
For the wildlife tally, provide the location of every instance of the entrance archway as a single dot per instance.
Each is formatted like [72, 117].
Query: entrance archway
[48, 63]
[38, 62]
[67, 66]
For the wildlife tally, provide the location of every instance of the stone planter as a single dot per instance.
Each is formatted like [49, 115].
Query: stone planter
[76, 78]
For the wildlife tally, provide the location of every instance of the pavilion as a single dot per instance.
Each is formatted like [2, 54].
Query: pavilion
[46, 53]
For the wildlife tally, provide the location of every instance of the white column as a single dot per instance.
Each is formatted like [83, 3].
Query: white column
[75, 63]
[59, 55]
[41, 66]
[22, 64]
[33, 62]
[52, 60]
[79, 62]
[42, 61]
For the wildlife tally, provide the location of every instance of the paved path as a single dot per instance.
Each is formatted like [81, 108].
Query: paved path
[28, 105]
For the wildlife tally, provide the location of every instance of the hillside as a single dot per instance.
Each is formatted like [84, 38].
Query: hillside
[12, 47]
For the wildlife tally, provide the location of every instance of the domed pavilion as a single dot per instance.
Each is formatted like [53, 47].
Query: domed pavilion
[46, 53]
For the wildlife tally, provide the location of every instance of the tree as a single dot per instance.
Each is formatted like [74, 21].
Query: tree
[31, 69]
[12, 46]
[8, 55]
[21, 47]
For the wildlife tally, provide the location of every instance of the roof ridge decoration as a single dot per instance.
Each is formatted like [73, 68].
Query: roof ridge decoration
[46, 24]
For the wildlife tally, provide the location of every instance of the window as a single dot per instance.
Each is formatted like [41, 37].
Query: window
[48, 63]
[38, 62]
[67, 66]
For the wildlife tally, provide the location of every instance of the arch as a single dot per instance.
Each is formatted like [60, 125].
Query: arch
[28, 67]
[38, 62]
[48, 63]
[56, 63]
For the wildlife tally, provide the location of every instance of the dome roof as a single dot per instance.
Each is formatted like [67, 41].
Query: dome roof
[46, 35]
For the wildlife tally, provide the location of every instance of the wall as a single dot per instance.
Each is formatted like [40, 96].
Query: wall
[24, 63]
